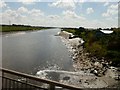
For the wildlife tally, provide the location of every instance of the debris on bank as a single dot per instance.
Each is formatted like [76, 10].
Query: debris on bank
[82, 62]
[106, 31]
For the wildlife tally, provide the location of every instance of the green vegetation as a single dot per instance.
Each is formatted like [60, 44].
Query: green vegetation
[100, 44]
[9, 28]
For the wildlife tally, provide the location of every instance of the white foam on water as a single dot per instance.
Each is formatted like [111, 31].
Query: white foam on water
[66, 77]
[52, 66]
[44, 72]
[49, 68]
[41, 74]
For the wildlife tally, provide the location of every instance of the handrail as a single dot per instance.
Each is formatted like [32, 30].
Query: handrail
[50, 82]
[24, 83]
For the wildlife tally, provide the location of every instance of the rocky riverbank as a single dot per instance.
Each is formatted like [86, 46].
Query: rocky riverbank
[106, 75]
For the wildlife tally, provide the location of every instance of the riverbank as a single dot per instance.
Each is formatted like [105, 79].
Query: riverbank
[17, 32]
[17, 28]
[106, 75]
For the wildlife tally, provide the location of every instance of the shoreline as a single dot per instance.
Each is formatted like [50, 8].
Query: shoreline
[14, 32]
[6, 34]
[106, 74]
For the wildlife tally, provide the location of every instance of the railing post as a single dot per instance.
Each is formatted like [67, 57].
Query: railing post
[51, 87]
[29, 81]
[2, 79]
[26, 83]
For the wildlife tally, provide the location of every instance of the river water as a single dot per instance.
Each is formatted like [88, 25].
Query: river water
[29, 52]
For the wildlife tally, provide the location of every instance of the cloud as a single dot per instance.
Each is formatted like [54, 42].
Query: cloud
[69, 13]
[89, 10]
[112, 10]
[105, 14]
[54, 16]
[99, 0]
[22, 10]
[2, 4]
[36, 12]
[106, 4]
[21, 15]
[114, 6]
[67, 18]
[66, 4]
[32, 12]
[27, 1]
[11, 15]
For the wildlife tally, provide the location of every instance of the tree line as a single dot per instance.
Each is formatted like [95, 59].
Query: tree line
[99, 44]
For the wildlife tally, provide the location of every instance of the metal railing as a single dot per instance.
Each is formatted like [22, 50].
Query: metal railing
[16, 80]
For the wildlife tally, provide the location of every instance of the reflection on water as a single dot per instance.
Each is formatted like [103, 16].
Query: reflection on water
[33, 51]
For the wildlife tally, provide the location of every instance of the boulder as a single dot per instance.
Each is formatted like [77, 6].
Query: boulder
[97, 64]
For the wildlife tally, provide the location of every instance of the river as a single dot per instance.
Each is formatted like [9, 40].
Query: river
[29, 52]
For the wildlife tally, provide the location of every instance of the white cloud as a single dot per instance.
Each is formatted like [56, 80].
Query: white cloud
[22, 10]
[54, 16]
[66, 4]
[89, 10]
[105, 15]
[100, 0]
[22, 16]
[69, 13]
[106, 4]
[27, 1]
[2, 4]
[114, 6]
[11, 15]
[36, 12]
[33, 12]
[112, 10]
[68, 18]
[72, 15]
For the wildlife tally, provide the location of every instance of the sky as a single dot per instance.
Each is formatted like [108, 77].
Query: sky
[60, 13]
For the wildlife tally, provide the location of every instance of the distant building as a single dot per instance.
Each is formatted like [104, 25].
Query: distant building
[106, 31]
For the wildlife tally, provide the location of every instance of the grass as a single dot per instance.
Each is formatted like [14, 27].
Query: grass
[99, 44]
[12, 28]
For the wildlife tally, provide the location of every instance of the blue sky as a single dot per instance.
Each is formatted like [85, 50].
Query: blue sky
[61, 13]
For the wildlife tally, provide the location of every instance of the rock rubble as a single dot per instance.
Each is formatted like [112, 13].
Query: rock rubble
[83, 62]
